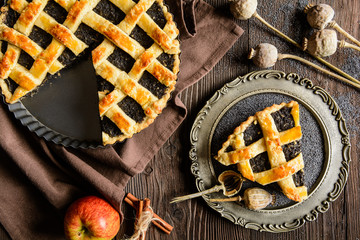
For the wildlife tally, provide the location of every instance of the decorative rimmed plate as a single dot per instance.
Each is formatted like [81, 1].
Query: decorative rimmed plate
[325, 146]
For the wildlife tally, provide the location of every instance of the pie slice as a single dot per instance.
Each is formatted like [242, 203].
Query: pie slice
[267, 149]
[134, 46]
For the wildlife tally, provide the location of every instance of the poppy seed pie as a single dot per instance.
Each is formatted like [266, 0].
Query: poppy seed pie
[133, 44]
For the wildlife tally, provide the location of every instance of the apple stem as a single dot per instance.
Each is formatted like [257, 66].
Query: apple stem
[82, 231]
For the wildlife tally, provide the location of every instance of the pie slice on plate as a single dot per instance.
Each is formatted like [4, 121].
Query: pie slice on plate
[267, 149]
[134, 47]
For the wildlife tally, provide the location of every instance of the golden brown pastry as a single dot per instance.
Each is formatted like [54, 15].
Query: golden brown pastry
[266, 148]
[137, 62]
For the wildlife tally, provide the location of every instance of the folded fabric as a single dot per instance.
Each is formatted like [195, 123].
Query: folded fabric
[39, 179]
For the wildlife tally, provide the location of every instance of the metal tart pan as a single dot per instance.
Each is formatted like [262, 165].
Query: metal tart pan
[64, 109]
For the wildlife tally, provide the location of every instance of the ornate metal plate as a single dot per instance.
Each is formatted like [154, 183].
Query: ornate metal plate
[325, 146]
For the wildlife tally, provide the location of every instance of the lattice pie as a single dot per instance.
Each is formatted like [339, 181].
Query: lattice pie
[266, 149]
[134, 46]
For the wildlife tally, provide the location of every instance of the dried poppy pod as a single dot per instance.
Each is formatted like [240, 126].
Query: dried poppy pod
[245, 9]
[265, 55]
[257, 198]
[324, 43]
[254, 198]
[230, 184]
[320, 16]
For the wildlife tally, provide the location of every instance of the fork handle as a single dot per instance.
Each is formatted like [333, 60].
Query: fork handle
[216, 188]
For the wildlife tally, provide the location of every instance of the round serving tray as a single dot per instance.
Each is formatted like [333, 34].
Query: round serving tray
[325, 147]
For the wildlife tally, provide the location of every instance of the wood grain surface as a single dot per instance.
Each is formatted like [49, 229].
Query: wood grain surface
[168, 174]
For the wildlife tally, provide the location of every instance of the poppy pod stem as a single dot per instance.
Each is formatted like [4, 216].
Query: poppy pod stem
[288, 39]
[265, 55]
[302, 60]
[336, 26]
[241, 10]
[343, 44]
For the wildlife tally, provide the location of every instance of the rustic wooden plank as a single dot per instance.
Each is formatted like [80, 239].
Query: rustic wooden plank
[3, 234]
[193, 219]
[348, 18]
[168, 174]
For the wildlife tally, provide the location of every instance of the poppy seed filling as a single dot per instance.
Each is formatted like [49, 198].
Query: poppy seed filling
[134, 49]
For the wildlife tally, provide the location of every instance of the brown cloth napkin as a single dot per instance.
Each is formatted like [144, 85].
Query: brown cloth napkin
[39, 179]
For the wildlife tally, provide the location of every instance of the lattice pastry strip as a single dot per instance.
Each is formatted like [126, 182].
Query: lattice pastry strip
[19, 41]
[31, 13]
[136, 14]
[48, 24]
[24, 24]
[126, 84]
[275, 138]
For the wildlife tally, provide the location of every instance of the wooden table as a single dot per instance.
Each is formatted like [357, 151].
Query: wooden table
[168, 174]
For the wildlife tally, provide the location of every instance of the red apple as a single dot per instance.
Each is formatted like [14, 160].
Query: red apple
[91, 218]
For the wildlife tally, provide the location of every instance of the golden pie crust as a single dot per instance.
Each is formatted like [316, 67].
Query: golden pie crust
[272, 141]
[116, 36]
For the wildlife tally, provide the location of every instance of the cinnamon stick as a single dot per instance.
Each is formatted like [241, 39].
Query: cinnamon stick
[130, 202]
[146, 204]
[145, 209]
[158, 221]
[139, 210]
